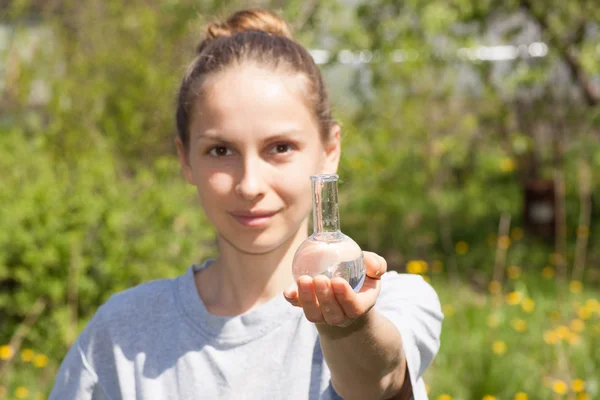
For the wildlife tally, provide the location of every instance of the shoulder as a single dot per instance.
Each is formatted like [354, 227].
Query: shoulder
[147, 300]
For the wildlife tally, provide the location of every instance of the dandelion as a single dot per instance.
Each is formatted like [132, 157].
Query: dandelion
[40, 360]
[504, 242]
[27, 355]
[448, 310]
[528, 305]
[507, 165]
[583, 396]
[578, 385]
[21, 392]
[547, 272]
[444, 397]
[514, 272]
[488, 397]
[559, 387]
[550, 337]
[563, 332]
[499, 347]
[516, 233]
[521, 396]
[416, 267]
[575, 287]
[462, 247]
[584, 313]
[494, 287]
[577, 325]
[6, 352]
[514, 298]
[519, 325]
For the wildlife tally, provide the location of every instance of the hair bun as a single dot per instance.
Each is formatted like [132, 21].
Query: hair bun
[247, 20]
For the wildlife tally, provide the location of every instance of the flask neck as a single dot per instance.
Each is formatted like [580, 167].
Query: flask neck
[326, 216]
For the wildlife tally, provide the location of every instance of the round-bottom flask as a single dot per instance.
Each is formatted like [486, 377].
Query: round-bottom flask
[328, 251]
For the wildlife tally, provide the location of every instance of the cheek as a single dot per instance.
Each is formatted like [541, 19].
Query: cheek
[213, 185]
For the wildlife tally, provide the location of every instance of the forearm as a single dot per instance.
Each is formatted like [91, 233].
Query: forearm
[365, 359]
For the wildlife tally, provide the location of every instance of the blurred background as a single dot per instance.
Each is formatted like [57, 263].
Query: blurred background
[471, 156]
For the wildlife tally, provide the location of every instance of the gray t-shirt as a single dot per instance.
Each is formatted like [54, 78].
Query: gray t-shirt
[157, 341]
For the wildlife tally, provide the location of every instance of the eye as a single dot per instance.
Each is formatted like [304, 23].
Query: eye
[282, 148]
[219, 151]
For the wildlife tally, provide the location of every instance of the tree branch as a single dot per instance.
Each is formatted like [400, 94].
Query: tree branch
[568, 54]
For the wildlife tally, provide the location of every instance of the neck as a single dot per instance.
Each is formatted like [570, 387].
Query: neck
[238, 281]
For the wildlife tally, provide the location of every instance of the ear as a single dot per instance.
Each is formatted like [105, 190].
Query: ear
[333, 149]
[184, 161]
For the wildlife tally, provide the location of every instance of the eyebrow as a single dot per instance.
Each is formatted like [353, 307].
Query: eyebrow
[215, 136]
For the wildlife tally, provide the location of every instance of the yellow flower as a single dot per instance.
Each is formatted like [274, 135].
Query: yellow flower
[462, 247]
[444, 397]
[517, 233]
[514, 298]
[521, 396]
[494, 287]
[583, 396]
[575, 287]
[6, 352]
[507, 165]
[499, 347]
[550, 337]
[514, 272]
[584, 313]
[448, 310]
[528, 305]
[547, 272]
[427, 279]
[488, 397]
[577, 325]
[559, 386]
[437, 266]
[578, 385]
[416, 267]
[21, 392]
[504, 242]
[563, 332]
[27, 355]
[519, 325]
[40, 360]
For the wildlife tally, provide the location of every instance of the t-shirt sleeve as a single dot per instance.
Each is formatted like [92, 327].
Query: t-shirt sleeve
[414, 308]
[76, 378]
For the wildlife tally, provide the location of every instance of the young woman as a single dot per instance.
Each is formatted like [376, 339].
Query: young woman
[253, 124]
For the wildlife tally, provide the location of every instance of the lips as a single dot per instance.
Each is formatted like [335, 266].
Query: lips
[254, 219]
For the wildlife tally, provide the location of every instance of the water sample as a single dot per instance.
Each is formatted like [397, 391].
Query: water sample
[328, 251]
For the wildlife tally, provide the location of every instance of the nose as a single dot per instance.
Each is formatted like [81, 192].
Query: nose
[252, 184]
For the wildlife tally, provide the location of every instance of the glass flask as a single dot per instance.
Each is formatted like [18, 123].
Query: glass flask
[328, 251]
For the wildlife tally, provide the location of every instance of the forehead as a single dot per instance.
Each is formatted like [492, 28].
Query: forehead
[253, 99]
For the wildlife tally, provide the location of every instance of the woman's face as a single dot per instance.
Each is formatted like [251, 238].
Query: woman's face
[253, 146]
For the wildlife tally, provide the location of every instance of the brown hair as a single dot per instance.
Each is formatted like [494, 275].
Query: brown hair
[257, 36]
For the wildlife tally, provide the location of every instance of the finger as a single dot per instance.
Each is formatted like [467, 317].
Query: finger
[308, 299]
[291, 295]
[350, 302]
[330, 309]
[375, 265]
